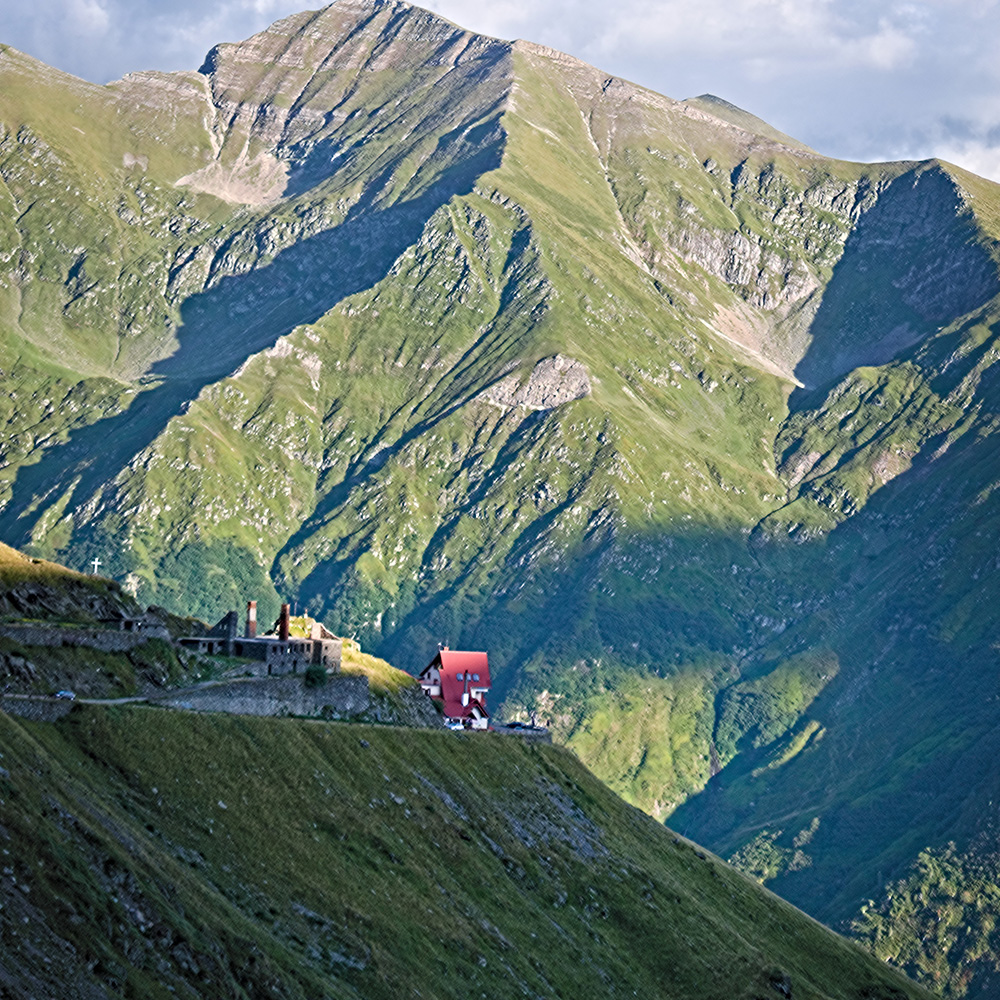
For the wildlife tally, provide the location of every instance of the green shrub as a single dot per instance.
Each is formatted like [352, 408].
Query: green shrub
[762, 710]
[315, 676]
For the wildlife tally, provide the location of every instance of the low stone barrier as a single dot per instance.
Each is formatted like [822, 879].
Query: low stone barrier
[36, 709]
[341, 697]
[533, 735]
[105, 639]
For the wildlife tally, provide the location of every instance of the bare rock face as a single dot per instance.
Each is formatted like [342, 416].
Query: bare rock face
[246, 182]
[553, 381]
[286, 108]
[911, 264]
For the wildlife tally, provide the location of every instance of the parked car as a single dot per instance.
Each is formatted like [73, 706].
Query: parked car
[67, 695]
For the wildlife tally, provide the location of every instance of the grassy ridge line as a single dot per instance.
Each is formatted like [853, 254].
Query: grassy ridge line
[15, 568]
[225, 856]
[38, 589]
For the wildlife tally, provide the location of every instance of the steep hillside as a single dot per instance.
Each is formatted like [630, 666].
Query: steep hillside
[45, 608]
[149, 854]
[454, 339]
[39, 590]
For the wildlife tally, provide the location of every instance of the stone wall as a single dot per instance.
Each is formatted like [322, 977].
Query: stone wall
[36, 709]
[105, 639]
[341, 697]
[539, 735]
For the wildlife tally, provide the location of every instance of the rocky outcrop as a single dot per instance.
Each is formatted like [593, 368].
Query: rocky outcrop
[246, 182]
[552, 382]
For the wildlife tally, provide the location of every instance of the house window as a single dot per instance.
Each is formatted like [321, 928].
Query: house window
[459, 677]
[475, 677]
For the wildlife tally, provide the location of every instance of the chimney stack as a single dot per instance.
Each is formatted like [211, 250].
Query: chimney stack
[251, 619]
[283, 623]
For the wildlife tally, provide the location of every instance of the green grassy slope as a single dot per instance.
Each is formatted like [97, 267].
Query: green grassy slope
[911, 583]
[20, 574]
[893, 758]
[767, 523]
[149, 853]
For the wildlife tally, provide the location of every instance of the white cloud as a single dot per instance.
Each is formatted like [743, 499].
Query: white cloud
[89, 16]
[979, 157]
[755, 32]
[887, 49]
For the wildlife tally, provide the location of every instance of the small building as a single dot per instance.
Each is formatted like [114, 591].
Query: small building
[278, 653]
[459, 681]
[147, 624]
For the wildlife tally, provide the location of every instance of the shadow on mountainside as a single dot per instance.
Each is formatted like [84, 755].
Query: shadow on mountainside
[912, 264]
[301, 285]
[914, 705]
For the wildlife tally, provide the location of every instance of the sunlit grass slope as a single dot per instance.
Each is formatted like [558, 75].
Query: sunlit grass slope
[35, 588]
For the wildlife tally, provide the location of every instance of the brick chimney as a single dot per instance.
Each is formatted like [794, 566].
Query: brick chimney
[251, 619]
[283, 623]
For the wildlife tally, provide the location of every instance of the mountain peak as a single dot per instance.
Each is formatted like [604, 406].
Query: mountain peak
[319, 33]
[312, 89]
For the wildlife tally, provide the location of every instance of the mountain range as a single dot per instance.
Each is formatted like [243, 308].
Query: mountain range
[452, 339]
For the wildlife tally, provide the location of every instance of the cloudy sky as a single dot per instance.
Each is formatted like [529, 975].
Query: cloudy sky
[861, 79]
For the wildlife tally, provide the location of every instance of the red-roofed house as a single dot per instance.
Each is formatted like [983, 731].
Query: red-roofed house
[459, 680]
